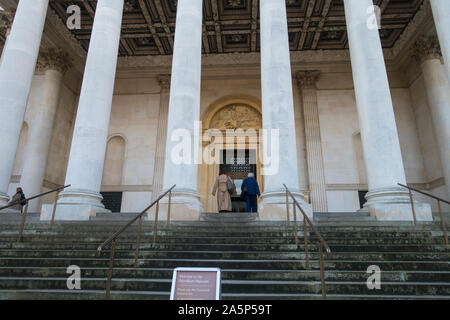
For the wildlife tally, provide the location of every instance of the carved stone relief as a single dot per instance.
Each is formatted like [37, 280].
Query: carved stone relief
[236, 116]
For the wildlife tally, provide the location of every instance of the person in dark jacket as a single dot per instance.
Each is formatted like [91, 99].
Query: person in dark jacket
[250, 191]
[18, 199]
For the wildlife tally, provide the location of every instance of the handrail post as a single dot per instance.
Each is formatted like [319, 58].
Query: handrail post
[322, 273]
[168, 208]
[412, 207]
[305, 237]
[111, 263]
[321, 244]
[155, 227]
[54, 207]
[138, 242]
[112, 240]
[295, 224]
[22, 224]
[287, 210]
[444, 227]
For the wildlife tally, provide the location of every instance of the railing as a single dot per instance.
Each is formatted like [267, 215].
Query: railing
[321, 244]
[112, 240]
[27, 201]
[439, 200]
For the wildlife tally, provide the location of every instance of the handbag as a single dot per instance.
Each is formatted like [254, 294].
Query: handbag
[244, 192]
[23, 200]
[230, 186]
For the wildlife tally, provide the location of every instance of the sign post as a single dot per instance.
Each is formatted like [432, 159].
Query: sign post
[196, 284]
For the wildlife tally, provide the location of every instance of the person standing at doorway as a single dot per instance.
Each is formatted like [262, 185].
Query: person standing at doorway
[223, 187]
[250, 191]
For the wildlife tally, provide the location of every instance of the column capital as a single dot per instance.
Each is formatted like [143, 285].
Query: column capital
[307, 79]
[54, 59]
[427, 48]
[164, 82]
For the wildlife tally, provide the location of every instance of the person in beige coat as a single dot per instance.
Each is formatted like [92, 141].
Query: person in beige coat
[221, 191]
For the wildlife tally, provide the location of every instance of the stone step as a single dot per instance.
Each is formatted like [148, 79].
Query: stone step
[169, 242]
[231, 274]
[341, 219]
[34, 223]
[230, 286]
[122, 245]
[236, 217]
[286, 264]
[437, 240]
[238, 255]
[147, 295]
[205, 226]
[343, 216]
[222, 234]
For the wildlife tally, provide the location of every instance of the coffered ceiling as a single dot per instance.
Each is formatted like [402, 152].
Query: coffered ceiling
[233, 25]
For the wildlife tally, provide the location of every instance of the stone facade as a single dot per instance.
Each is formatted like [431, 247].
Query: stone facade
[331, 148]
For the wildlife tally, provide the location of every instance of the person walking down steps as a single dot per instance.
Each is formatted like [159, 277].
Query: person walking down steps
[223, 188]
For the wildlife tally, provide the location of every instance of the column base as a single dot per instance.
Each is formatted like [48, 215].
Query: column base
[75, 205]
[9, 210]
[393, 204]
[185, 206]
[273, 206]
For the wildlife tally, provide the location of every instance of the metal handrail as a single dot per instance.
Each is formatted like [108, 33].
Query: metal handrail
[322, 244]
[112, 240]
[439, 200]
[27, 200]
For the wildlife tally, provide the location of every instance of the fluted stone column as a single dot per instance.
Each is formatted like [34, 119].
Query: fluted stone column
[441, 14]
[87, 153]
[161, 135]
[428, 54]
[184, 110]
[16, 74]
[307, 84]
[381, 146]
[278, 109]
[54, 63]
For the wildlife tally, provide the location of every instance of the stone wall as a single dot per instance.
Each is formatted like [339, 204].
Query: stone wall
[433, 174]
[134, 117]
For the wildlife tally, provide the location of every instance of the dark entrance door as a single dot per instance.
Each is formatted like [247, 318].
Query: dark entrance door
[362, 198]
[238, 164]
[112, 200]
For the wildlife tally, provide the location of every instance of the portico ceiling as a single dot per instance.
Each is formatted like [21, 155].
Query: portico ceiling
[233, 25]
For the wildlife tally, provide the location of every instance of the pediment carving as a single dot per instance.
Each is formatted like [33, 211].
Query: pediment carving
[237, 116]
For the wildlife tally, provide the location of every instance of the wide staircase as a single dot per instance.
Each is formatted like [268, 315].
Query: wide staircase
[259, 260]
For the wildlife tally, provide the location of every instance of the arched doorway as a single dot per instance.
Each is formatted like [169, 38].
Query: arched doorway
[230, 129]
[113, 173]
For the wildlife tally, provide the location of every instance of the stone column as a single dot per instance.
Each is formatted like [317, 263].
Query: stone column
[381, 146]
[278, 110]
[161, 136]
[307, 84]
[428, 54]
[87, 153]
[54, 63]
[441, 14]
[184, 111]
[16, 73]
